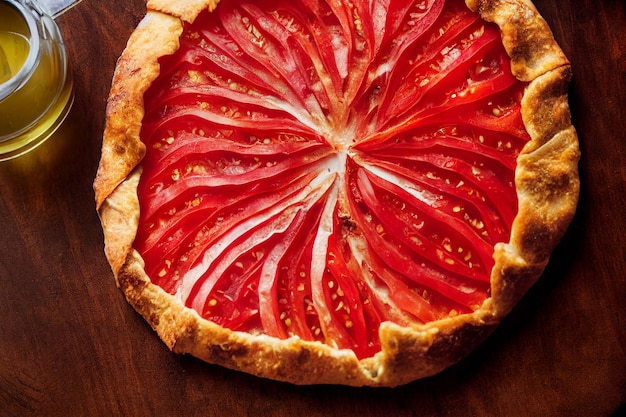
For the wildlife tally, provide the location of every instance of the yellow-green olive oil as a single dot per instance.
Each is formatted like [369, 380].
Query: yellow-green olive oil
[32, 112]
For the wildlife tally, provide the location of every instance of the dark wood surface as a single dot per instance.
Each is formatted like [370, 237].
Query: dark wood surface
[71, 346]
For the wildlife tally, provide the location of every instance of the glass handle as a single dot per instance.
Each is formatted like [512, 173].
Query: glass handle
[52, 8]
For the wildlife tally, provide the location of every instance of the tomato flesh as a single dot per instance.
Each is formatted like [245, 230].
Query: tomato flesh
[316, 168]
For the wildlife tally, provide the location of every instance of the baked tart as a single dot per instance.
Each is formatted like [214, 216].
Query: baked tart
[335, 191]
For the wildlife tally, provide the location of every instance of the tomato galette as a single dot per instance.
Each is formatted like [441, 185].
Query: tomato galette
[335, 191]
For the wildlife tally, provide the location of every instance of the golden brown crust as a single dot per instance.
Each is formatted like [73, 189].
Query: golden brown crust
[547, 185]
[119, 215]
[186, 10]
[122, 150]
[526, 36]
[546, 180]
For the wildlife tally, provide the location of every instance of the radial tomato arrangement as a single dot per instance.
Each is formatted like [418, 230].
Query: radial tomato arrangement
[316, 168]
[333, 191]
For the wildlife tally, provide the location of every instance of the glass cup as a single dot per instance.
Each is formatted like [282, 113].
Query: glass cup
[36, 91]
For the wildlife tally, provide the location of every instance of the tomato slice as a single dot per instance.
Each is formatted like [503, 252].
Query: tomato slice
[316, 168]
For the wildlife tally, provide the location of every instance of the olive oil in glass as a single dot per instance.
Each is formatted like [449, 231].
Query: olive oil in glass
[35, 83]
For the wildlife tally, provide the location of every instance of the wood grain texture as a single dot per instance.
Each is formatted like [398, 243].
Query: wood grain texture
[71, 346]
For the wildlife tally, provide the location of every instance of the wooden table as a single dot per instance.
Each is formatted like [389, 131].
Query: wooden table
[71, 346]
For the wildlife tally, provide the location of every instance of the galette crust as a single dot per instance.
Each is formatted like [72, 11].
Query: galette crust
[186, 10]
[156, 35]
[547, 185]
[526, 36]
